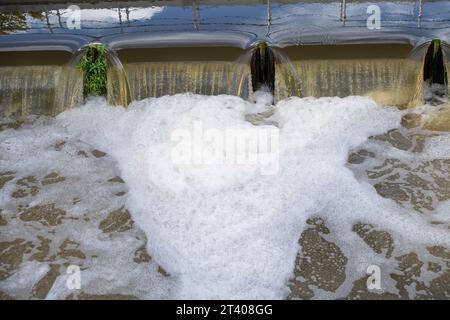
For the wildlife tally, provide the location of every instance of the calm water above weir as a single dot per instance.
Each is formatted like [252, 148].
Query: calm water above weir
[274, 21]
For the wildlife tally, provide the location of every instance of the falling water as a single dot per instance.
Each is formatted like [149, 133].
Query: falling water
[446, 53]
[156, 72]
[69, 90]
[46, 90]
[27, 90]
[118, 90]
[156, 79]
[392, 81]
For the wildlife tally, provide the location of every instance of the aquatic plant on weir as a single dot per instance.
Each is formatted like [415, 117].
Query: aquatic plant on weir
[93, 64]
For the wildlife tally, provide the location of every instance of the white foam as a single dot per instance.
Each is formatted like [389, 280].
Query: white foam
[227, 231]
[108, 267]
[438, 147]
[262, 99]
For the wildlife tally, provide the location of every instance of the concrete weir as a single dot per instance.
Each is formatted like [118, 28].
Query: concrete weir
[306, 48]
[154, 66]
[38, 75]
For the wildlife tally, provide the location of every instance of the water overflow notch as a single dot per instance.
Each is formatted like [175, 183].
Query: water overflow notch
[434, 71]
[262, 66]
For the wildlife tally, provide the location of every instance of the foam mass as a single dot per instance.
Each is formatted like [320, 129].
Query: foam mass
[228, 231]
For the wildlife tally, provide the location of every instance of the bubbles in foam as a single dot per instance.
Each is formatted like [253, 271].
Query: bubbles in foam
[228, 231]
[232, 232]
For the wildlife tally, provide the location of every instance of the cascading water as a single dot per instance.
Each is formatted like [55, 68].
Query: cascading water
[69, 89]
[350, 70]
[209, 71]
[118, 89]
[39, 89]
[446, 56]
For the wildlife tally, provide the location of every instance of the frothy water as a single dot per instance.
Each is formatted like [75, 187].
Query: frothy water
[228, 231]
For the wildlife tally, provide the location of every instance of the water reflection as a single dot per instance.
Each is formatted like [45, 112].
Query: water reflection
[12, 22]
[275, 21]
